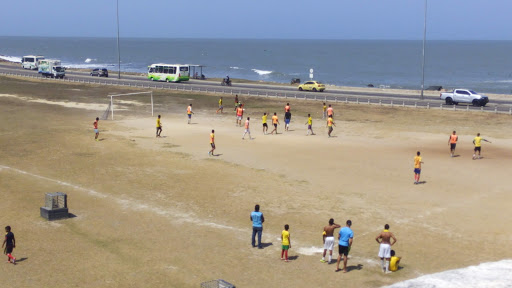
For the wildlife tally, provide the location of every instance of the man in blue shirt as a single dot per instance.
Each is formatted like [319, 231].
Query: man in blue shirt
[257, 225]
[345, 242]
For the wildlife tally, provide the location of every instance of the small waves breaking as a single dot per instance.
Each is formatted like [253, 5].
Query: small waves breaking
[493, 274]
[261, 72]
[11, 58]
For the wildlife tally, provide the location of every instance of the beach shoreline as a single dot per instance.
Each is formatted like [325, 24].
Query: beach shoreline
[348, 89]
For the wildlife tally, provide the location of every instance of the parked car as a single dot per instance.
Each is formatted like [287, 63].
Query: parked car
[464, 96]
[100, 72]
[312, 86]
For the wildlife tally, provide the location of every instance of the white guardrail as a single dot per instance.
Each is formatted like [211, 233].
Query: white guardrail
[335, 99]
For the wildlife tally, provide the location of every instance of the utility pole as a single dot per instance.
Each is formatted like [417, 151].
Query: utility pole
[423, 63]
[118, 53]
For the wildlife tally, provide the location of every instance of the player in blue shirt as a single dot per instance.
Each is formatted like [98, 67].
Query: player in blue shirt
[345, 238]
[257, 225]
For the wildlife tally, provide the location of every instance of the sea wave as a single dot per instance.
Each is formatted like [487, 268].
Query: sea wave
[11, 58]
[86, 66]
[492, 274]
[261, 72]
[234, 67]
[89, 60]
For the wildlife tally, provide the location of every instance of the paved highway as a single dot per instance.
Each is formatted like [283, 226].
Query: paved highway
[502, 106]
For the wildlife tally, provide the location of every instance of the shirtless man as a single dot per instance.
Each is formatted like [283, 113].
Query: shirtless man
[384, 239]
[328, 237]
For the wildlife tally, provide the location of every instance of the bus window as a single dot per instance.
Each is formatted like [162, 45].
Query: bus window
[160, 69]
[183, 69]
[151, 70]
[166, 69]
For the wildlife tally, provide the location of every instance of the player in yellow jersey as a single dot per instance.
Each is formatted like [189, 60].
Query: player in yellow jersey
[310, 125]
[286, 243]
[330, 123]
[264, 121]
[393, 263]
[417, 168]
[478, 145]
[212, 143]
[221, 108]
[158, 127]
[324, 115]
[189, 113]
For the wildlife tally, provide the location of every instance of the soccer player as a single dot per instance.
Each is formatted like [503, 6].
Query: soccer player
[10, 244]
[96, 129]
[310, 125]
[287, 119]
[236, 102]
[324, 114]
[330, 112]
[247, 131]
[345, 238]
[239, 115]
[158, 126]
[275, 122]
[393, 263]
[212, 143]
[452, 142]
[221, 108]
[330, 123]
[286, 243]
[478, 145]
[287, 108]
[384, 239]
[328, 239]
[417, 167]
[189, 113]
[264, 121]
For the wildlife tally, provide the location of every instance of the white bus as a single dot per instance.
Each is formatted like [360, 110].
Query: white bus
[30, 62]
[168, 72]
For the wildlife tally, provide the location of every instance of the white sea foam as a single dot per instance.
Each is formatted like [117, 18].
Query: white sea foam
[87, 66]
[89, 60]
[234, 67]
[11, 58]
[493, 274]
[261, 72]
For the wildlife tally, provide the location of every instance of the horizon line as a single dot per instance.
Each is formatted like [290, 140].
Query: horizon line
[274, 38]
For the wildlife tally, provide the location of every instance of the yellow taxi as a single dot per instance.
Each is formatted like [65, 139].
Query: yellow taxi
[312, 86]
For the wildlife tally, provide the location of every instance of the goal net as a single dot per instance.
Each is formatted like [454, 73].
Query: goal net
[110, 108]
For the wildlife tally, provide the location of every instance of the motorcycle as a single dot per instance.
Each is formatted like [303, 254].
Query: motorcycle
[226, 82]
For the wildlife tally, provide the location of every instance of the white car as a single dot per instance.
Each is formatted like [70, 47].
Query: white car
[464, 96]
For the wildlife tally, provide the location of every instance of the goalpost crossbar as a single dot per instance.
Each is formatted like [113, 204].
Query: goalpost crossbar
[111, 106]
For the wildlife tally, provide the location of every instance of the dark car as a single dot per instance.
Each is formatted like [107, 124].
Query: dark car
[99, 72]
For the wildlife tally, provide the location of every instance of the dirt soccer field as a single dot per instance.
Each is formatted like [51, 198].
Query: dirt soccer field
[159, 212]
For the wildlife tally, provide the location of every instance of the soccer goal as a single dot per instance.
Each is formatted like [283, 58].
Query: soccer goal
[110, 108]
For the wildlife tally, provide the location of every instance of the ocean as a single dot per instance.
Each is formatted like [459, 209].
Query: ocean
[483, 66]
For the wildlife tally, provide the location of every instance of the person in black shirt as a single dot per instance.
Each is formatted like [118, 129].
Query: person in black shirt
[287, 119]
[10, 244]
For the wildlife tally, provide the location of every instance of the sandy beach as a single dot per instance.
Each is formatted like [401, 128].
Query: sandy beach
[159, 212]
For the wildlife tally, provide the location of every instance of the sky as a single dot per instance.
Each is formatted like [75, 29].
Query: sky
[262, 19]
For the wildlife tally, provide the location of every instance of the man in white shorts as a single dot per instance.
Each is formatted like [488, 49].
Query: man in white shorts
[328, 237]
[247, 129]
[384, 239]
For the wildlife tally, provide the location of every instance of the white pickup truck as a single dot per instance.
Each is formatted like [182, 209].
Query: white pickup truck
[464, 96]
